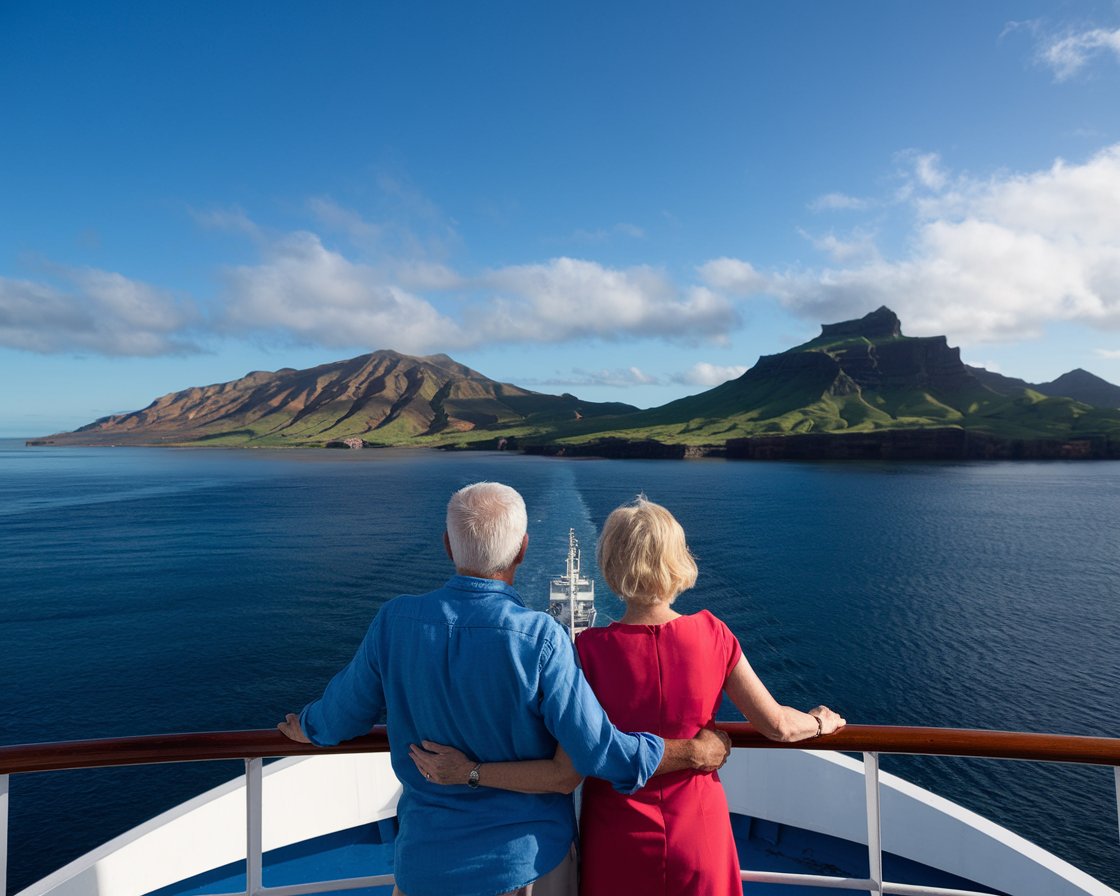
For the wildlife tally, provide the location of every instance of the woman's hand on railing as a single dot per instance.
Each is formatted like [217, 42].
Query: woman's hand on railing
[829, 720]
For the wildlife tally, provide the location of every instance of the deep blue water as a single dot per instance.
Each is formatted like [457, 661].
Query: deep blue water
[154, 590]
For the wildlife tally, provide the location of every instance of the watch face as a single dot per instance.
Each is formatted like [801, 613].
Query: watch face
[472, 778]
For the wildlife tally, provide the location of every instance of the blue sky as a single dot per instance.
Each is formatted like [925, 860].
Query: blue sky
[627, 201]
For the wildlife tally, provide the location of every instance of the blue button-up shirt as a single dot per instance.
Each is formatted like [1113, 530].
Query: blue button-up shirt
[469, 665]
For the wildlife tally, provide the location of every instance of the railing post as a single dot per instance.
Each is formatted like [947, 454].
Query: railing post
[3, 835]
[254, 858]
[1116, 771]
[874, 825]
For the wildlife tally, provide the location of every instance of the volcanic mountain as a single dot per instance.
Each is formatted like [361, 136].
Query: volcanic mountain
[383, 398]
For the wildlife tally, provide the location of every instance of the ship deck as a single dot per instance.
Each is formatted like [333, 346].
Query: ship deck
[762, 845]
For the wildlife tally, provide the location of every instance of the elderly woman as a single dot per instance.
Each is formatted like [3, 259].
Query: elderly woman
[655, 670]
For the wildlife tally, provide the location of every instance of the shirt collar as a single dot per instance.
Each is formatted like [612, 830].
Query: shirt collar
[473, 585]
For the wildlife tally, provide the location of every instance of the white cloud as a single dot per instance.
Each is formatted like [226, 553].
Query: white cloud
[732, 275]
[308, 293]
[705, 374]
[426, 275]
[95, 311]
[569, 298]
[400, 293]
[1113, 354]
[1069, 54]
[989, 260]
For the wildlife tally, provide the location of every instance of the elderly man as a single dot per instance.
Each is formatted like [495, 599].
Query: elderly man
[470, 665]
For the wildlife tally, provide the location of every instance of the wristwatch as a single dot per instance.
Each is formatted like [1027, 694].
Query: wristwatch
[472, 778]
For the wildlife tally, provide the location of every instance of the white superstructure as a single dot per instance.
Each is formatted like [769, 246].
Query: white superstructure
[571, 597]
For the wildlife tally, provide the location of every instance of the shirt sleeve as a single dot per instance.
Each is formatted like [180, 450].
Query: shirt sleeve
[575, 718]
[353, 699]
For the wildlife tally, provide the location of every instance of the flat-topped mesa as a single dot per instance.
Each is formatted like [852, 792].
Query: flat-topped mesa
[879, 324]
[869, 353]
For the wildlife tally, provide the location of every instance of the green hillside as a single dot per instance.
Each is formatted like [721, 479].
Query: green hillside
[857, 377]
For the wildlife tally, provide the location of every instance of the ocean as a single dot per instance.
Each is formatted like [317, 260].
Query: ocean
[161, 590]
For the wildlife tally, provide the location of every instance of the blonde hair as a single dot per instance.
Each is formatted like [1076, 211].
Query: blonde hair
[643, 555]
[486, 525]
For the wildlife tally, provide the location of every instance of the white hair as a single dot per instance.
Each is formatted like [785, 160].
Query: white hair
[486, 524]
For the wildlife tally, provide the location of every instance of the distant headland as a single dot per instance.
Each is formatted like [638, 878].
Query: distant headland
[860, 390]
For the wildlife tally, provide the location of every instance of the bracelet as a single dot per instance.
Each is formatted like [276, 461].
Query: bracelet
[820, 726]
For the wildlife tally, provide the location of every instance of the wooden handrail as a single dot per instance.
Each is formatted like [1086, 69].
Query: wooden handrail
[269, 742]
[946, 742]
[156, 748]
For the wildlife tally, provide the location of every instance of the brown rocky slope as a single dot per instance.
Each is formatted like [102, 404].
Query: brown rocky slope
[383, 398]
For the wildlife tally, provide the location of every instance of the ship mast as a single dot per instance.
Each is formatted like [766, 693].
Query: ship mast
[573, 580]
[571, 598]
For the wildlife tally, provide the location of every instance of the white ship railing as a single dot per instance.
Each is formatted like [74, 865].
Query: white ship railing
[254, 746]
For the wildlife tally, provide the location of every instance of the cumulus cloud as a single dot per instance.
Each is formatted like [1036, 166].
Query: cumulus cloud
[1071, 53]
[90, 310]
[732, 275]
[988, 260]
[426, 275]
[705, 374]
[308, 293]
[569, 298]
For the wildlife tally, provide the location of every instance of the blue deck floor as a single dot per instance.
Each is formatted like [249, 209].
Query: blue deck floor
[763, 846]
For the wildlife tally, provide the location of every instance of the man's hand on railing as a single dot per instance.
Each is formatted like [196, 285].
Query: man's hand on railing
[292, 729]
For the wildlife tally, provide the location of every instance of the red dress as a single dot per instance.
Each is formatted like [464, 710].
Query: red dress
[674, 835]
